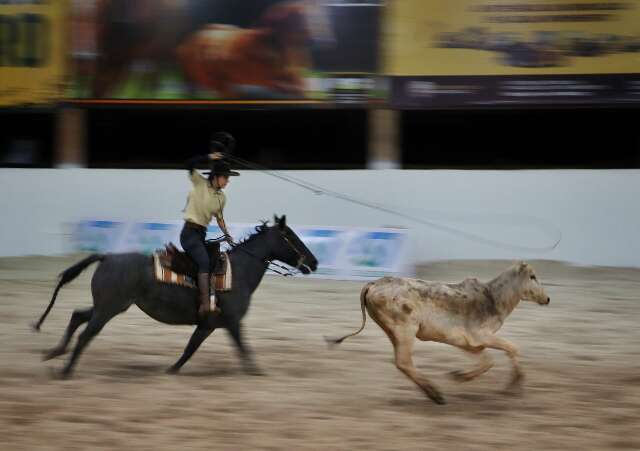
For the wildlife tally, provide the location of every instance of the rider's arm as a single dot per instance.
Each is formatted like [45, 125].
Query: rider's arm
[199, 159]
[191, 164]
[195, 161]
[223, 227]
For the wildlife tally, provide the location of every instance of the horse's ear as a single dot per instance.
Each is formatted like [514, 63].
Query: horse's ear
[281, 222]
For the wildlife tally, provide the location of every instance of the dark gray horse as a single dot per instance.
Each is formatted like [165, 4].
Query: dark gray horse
[125, 279]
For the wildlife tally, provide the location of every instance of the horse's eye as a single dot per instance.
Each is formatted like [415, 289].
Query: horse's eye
[533, 277]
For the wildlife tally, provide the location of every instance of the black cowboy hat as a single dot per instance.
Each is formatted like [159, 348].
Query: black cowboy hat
[220, 167]
[223, 142]
[217, 146]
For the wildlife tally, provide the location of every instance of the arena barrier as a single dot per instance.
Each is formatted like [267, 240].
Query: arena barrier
[342, 252]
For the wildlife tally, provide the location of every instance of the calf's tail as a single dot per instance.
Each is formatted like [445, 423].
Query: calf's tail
[363, 305]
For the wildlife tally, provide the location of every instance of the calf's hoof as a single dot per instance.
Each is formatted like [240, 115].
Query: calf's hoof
[460, 376]
[513, 389]
[515, 386]
[436, 397]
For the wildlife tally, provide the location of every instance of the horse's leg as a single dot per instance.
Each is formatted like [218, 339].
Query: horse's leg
[484, 364]
[199, 335]
[78, 318]
[249, 365]
[96, 323]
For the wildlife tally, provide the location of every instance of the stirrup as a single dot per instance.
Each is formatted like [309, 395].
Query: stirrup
[214, 308]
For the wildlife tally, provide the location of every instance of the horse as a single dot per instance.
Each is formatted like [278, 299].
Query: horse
[269, 38]
[124, 279]
[272, 54]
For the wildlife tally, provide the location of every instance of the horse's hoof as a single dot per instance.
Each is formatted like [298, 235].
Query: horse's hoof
[172, 370]
[254, 371]
[59, 374]
[53, 354]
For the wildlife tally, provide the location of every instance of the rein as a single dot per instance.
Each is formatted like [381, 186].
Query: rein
[270, 263]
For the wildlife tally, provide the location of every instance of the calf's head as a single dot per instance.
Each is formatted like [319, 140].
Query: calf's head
[532, 289]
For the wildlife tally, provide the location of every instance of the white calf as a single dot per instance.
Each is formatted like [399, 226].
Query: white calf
[466, 315]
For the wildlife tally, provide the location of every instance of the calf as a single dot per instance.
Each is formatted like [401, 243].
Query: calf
[466, 315]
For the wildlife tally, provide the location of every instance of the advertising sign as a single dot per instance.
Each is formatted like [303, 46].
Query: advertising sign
[32, 52]
[502, 52]
[342, 252]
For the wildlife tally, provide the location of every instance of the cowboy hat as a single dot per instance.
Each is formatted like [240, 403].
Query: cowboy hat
[221, 167]
[225, 139]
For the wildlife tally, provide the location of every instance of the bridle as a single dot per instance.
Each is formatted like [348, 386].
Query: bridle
[271, 264]
[301, 256]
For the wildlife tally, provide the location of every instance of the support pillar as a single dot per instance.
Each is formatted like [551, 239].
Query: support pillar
[71, 138]
[384, 139]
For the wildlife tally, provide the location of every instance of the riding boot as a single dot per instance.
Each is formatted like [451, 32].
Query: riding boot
[205, 299]
[214, 303]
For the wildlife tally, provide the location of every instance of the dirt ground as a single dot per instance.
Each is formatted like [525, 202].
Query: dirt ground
[581, 355]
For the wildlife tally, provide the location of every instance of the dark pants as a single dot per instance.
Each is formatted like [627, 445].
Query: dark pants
[192, 241]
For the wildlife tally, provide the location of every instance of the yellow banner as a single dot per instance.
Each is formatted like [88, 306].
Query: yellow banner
[512, 37]
[32, 52]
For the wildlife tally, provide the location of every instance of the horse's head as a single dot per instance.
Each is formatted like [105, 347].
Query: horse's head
[298, 21]
[530, 285]
[320, 27]
[289, 249]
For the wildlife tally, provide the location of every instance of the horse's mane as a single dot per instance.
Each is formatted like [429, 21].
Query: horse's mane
[259, 230]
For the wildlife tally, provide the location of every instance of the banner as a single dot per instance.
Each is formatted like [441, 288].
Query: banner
[486, 52]
[31, 52]
[224, 51]
[342, 252]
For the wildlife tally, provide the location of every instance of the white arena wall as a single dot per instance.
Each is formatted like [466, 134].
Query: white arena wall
[596, 211]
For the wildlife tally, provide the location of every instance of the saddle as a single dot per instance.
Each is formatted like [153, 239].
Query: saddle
[174, 266]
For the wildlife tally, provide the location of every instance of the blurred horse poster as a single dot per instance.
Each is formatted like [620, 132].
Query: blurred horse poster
[221, 50]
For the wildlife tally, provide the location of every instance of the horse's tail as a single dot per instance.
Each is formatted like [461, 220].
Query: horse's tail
[67, 276]
[363, 305]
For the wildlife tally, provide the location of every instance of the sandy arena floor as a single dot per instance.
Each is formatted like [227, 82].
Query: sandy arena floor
[581, 355]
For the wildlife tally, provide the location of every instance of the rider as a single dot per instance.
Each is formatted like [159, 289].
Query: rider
[206, 200]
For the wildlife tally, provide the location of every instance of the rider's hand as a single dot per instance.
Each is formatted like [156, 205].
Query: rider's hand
[216, 156]
[228, 239]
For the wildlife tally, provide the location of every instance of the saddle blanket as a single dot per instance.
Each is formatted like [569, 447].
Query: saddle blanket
[221, 282]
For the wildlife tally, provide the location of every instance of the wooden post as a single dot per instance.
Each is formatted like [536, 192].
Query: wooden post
[384, 143]
[71, 138]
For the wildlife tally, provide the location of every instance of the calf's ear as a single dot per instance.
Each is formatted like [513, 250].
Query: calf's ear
[522, 267]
